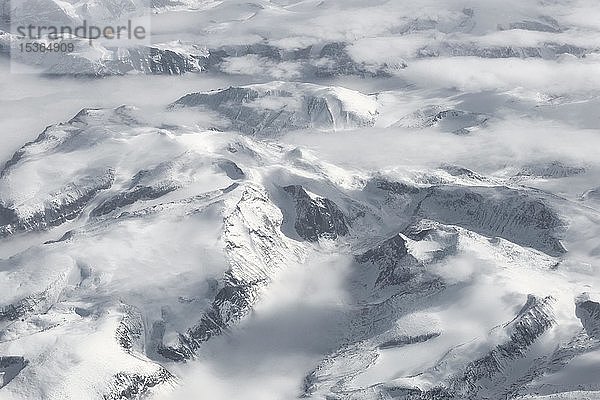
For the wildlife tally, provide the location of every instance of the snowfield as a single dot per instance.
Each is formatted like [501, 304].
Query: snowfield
[333, 199]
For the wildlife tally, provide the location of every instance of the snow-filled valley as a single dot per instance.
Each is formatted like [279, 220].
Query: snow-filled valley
[332, 199]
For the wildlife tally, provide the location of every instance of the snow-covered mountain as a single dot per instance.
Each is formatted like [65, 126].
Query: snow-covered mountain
[345, 200]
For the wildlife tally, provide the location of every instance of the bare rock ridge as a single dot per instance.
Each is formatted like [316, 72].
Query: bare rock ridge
[126, 385]
[149, 184]
[552, 169]
[10, 366]
[588, 311]
[408, 340]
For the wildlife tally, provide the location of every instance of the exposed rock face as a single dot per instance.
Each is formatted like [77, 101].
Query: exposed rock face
[130, 330]
[149, 185]
[396, 265]
[135, 386]
[129, 385]
[486, 376]
[553, 169]
[270, 109]
[499, 211]
[316, 217]
[130, 197]
[523, 217]
[147, 60]
[157, 60]
[10, 366]
[231, 169]
[588, 311]
[407, 340]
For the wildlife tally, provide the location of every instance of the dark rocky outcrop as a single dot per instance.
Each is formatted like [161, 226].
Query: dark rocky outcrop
[588, 312]
[10, 366]
[316, 217]
[408, 340]
[138, 193]
[231, 169]
[131, 386]
[396, 265]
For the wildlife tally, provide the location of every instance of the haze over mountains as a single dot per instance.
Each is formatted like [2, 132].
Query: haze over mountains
[343, 200]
